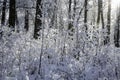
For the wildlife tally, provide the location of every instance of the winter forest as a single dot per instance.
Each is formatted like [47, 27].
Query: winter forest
[59, 39]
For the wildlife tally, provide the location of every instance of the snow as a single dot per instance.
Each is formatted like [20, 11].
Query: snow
[21, 59]
[56, 55]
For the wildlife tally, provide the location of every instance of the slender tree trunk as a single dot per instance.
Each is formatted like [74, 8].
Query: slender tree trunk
[3, 13]
[74, 9]
[107, 39]
[100, 18]
[70, 22]
[12, 14]
[117, 37]
[42, 46]
[100, 13]
[38, 21]
[26, 20]
[69, 15]
[55, 8]
[117, 30]
[17, 22]
[85, 14]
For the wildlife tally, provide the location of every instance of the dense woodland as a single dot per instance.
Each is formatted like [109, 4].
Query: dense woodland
[59, 40]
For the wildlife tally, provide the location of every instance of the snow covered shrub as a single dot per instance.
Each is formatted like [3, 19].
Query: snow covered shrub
[57, 56]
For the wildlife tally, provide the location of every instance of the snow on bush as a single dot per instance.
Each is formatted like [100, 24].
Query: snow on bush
[61, 58]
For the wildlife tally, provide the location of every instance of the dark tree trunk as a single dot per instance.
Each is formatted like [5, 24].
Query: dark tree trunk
[12, 14]
[26, 20]
[99, 10]
[74, 9]
[117, 31]
[117, 35]
[85, 14]
[69, 15]
[3, 13]
[102, 18]
[70, 23]
[38, 21]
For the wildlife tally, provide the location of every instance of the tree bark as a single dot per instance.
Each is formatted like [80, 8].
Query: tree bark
[38, 21]
[70, 23]
[26, 20]
[12, 14]
[69, 15]
[74, 9]
[85, 14]
[117, 30]
[3, 13]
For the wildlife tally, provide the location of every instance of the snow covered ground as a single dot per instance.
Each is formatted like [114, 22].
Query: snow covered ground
[61, 60]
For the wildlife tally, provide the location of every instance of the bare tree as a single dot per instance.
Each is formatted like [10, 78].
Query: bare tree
[3, 12]
[70, 24]
[38, 21]
[12, 14]
[117, 30]
[26, 20]
[100, 13]
[85, 14]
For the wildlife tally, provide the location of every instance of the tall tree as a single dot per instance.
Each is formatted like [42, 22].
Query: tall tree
[100, 13]
[3, 12]
[38, 21]
[117, 30]
[70, 24]
[100, 18]
[12, 14]
[85, 14]
[107, 38]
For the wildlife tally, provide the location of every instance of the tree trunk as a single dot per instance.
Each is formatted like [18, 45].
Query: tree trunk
[26, 20]
[69, 15]
[117, 31]
[100, 18]
[85, 14]
[3, 13]
[74, 9]
[107, 39]
[12, 14]
[70, 24]
[38, 21]
[100, 13]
